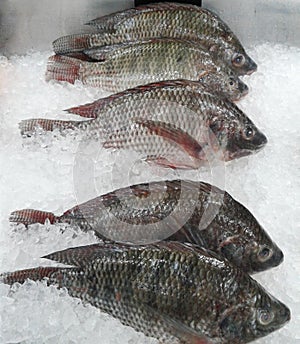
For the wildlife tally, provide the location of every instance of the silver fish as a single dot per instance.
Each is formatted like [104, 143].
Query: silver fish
[128, 65]
[177, 124]
[178, 210]
[170, 20]
[170, 291]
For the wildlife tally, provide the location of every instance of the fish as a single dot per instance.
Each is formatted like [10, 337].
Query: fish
[177, 124]
[127, 65]
[171, 210]
[169, 291]
[170, 20]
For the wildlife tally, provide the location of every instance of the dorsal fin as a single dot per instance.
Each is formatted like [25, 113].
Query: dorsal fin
[83, 255]
[109, 22]
[89, 110]
[76, 256]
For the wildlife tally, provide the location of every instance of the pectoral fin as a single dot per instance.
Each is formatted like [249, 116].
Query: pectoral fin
[173, 134]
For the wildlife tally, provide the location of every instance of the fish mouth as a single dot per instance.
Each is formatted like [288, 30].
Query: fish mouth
[260, 141]
[240, 153]
[277, 258]
[283, 316]
[274, 261]
[251, 67]
[243, 90]
[239, 149]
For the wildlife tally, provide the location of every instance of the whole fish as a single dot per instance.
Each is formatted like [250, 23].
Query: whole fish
[178, 124]
[169, 291]
[128, 65]
[177, 210]
[171, 20]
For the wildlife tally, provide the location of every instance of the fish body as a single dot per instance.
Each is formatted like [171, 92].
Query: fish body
[170, 20]
[184, 211]
[128, 65]
[177, 124]
[169, 291]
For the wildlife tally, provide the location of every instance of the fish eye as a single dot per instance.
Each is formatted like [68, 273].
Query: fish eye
[238, 60]
[231, 81]
[264, 253]
[265, 317]
[248, 133]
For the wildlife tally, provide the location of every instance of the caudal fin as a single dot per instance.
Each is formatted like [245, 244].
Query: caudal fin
[71, 43]
[35, 274]
[29, 127]
[30, 216]
[63, 68]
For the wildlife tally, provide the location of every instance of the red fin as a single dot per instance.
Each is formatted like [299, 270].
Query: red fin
[28, 127]
[35, 274]
[71, 43]
[88, 110]
[81, 56]
[63, 68]
[30, 216]
[171, 133]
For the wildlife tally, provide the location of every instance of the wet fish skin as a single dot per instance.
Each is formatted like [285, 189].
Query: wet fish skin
[146, 286]
[177, 210]
[128, 65]
[177, 124]
[234, 233]
[171, 20]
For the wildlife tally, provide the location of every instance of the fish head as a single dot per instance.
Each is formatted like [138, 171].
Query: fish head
[243, 138]
[227, 84]
[242, 64]
[235, 57]
[270, 314]
[245, 243]
[245, 323]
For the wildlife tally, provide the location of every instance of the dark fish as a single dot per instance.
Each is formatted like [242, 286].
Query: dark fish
[170, 20]
[178, 124]
[184, 211]
[169, 291]
[128, 65]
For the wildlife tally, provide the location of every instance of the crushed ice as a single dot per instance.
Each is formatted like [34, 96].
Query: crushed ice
[268, 183]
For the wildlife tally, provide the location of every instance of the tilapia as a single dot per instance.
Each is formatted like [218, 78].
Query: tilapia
[177, 210]
[169, 291]
[171, 20]
[128, 65]
[178, 124]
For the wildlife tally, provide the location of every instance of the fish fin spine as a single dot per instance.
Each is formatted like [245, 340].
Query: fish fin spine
[30, 216]
[35, 274]
[71, 43]
[63, 68]
[29, 126]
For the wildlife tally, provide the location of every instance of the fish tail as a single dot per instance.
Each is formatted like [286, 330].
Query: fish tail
[29, 126]
[35, 274]
[63, 68]
[30, 216]
[71, 43]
